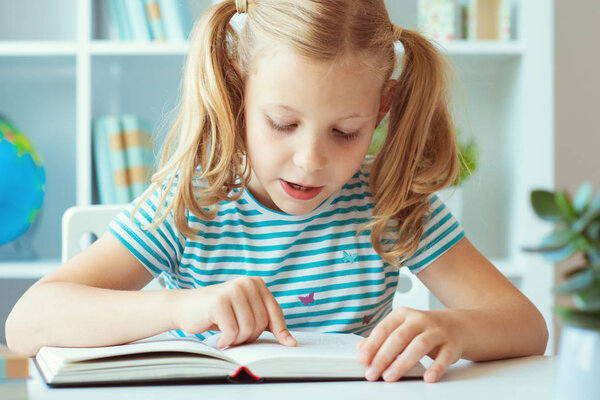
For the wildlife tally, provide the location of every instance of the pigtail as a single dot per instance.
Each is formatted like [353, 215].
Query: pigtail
[208, 130]
[419, 155]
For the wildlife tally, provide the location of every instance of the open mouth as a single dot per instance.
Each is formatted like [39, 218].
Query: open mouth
[298, 187]
[300, 192]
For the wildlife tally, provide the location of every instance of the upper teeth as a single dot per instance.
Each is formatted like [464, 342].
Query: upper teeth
[298, 186]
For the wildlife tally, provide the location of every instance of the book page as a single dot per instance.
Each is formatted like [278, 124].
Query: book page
[310, 344]
[316, 354]
[59, 355]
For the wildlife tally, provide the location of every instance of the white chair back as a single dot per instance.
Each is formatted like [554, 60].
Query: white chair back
[81, 225]
[411, 292]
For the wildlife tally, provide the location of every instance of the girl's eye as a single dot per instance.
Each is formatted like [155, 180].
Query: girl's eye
[284, 128]
[278, 127]
[347, 136]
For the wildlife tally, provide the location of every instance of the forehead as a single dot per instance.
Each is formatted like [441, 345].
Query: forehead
[282, 76]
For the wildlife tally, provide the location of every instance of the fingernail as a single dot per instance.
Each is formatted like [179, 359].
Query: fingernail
[372, 374]
[431, 376]
[290, 341]
[390, 375]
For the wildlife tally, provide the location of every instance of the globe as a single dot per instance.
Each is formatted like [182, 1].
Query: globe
[22, 181]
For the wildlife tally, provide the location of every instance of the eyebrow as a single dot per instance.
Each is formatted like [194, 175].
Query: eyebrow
[292, 109]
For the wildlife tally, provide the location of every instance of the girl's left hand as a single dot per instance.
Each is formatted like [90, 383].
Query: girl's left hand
[405, 336]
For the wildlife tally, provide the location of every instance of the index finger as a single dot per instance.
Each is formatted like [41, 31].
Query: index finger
[276, 319]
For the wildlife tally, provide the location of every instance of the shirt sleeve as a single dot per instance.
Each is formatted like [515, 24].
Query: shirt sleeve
[440, 233]
[159, 249]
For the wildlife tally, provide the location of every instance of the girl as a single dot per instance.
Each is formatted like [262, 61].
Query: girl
[265, 214]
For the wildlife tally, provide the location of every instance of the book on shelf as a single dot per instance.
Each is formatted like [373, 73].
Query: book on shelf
[436, 19]
[487, 19]
[118, 25]
[447, 20]
[155, 19]
[317, 356]
[139, 153]
[13, 365]
[145, 20]
[136, 16]
[109, 161]
[123, 157]
[176, 19]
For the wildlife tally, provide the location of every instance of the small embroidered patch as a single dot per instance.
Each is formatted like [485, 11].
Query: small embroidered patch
[306, 300]
[350, 258]
[367, 319]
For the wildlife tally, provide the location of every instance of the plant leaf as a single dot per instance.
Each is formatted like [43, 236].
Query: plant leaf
[582, 223]
[564, 203]
[594, 254]
[577, 281]
[555, 255]
[593, 231]
[592, 213]
[583, 197]
[559, 239]
[545, 206]
[582, 319]
[588, 299]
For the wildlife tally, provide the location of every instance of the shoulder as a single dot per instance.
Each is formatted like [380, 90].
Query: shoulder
[367, 164]
[360, 179]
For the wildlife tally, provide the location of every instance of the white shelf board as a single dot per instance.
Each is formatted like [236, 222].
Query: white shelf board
[38, 48]
[476, 48]
[105, 47]
[27, 269]
[482, 47]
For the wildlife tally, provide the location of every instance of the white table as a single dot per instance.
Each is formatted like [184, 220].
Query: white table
[518, 378]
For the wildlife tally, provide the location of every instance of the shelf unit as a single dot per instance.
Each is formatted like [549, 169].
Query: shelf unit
[61, 72]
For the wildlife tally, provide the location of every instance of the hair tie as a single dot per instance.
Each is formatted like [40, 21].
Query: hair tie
[241, 6]
[397, 31]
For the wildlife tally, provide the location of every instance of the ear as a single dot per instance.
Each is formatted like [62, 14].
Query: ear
[385, 101]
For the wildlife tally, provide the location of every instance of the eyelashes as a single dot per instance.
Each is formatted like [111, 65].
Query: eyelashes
[286, 128]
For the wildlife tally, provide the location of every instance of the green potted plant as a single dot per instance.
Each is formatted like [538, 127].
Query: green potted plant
[468, 155]
[576, 235]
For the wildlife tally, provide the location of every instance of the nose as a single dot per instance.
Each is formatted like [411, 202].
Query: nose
[310, 155]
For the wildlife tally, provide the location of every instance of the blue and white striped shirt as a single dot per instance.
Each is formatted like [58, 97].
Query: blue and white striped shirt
[324, 276]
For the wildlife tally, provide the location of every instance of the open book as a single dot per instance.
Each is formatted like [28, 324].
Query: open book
[318, 356]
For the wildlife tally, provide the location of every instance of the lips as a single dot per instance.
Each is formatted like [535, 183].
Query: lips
[300, 192]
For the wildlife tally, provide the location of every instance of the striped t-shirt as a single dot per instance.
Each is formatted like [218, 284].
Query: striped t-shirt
[324, 276]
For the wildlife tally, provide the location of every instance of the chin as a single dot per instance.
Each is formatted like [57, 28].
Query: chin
[298, 207]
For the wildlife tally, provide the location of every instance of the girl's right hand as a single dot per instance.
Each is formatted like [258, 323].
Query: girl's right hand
[241, 309]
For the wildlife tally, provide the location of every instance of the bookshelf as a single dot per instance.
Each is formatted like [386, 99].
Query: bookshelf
[61, 72]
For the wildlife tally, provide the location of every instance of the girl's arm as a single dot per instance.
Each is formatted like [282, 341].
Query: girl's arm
[94, 300]
[487, 318]
[497, 320]
[91, 300]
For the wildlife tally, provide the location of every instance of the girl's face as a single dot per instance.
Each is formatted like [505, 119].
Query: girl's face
[308, 127]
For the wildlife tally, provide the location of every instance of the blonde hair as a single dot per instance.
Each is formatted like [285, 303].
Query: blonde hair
[418, 157]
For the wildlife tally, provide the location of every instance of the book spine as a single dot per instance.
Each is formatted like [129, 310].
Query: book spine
[493, 19]
[13, 365]
[155, 20]
[436, 19]
[470, 19]
[112, 22]
[139, 152]
[104, 182]
[505, 18]
[118, 160]
[123, 23]
[136, 16]
[176, 19]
